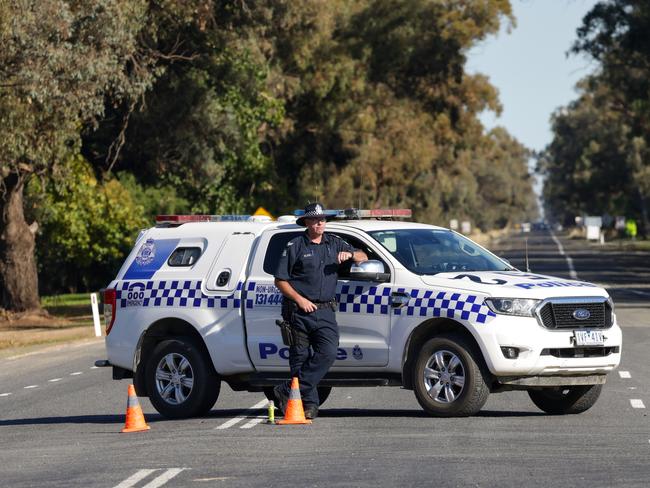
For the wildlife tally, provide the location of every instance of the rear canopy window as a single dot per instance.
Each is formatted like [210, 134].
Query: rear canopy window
[184, 256]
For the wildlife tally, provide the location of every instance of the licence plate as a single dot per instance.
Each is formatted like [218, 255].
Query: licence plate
[588, 337]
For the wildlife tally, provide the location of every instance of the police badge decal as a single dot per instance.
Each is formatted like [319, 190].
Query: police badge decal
[146, 253]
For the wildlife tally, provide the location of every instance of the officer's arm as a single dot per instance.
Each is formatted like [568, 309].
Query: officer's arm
[288, 291]
[359, 256]
[346, 251]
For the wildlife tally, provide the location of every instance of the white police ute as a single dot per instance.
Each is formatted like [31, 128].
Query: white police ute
[195, 304]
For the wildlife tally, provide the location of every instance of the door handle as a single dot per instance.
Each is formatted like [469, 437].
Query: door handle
[399, 299]
[223, 278]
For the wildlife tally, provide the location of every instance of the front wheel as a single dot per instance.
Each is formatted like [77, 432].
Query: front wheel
[448, 380]
[563, 400]
[181, 382]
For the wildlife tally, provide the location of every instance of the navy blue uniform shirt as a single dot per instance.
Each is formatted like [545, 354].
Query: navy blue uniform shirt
[312, 269]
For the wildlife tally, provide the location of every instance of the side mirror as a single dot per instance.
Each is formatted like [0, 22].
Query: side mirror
[371, 270]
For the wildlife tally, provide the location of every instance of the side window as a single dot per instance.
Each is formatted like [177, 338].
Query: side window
[275, 248]
[344, 268]
[184, 256]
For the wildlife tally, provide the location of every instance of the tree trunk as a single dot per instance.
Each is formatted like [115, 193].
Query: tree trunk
[645, 224]
[18, 275]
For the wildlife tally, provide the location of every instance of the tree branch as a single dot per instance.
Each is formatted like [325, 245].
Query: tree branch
[116, 146]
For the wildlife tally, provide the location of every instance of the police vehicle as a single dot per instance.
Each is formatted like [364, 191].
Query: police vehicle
[431, 311]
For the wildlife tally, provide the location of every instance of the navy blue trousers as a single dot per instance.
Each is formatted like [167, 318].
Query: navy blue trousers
[310, 362]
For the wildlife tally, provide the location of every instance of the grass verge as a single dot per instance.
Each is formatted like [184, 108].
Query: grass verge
[68, 318]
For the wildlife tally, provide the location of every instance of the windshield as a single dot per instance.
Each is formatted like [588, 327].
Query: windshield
[431, 251]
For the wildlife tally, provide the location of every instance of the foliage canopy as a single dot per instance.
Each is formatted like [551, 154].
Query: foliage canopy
[221, 106]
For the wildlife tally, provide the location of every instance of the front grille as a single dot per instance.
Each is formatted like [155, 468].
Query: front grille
[559, 315]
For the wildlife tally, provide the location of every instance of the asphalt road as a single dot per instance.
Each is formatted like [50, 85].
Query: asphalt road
[60, 420]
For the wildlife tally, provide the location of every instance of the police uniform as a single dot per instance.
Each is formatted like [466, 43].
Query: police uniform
[312, 270]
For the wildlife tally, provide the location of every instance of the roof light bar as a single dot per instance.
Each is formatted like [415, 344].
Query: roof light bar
[357, 214]
[184, 219]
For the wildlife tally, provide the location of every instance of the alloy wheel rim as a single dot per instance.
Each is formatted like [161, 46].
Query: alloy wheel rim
[444, 377]
[174, 378]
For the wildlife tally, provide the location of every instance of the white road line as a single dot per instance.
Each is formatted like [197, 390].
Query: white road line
[30, 386]
[76, 373]
[569, 261]
[54, 380]
[94, 367]
[236, 420]
[4, 394]
[624, 374]
[636, 403]
[254, 422]
[163, 478]
[132, 480]
[220, 478]
[230, 423]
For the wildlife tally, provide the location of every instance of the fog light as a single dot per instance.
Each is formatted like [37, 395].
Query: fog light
[510, 352]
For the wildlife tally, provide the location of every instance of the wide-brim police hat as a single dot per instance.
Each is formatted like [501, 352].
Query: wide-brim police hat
[315, 211]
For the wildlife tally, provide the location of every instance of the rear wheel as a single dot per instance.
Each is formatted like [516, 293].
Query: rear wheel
[181, 382]
[323, 393]
[563, 400]
[448, 380]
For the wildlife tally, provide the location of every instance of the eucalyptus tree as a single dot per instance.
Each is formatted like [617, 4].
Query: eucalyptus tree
[615, 34]
[59, 62]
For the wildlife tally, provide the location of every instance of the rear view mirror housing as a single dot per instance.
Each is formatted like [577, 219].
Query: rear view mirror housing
[371, 270]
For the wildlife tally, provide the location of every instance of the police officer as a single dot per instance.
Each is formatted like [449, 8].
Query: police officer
[306, 275]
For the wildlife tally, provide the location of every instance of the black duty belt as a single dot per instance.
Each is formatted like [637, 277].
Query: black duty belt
[330, 304]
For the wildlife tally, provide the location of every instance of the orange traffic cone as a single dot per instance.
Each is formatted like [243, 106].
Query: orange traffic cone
[294, 413]
[134, 417]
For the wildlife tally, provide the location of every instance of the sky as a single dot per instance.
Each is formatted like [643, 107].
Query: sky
[530, 67]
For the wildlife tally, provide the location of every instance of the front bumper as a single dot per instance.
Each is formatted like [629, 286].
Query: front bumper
[544, 351]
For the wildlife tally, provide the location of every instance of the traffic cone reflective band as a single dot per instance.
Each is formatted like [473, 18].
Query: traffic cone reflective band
[134, 416]
[294, 413]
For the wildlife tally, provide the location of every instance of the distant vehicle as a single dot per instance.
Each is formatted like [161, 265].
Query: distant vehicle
[525, 227]
[540, 225]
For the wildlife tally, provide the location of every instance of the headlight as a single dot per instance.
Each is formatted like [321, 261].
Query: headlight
[512, 306]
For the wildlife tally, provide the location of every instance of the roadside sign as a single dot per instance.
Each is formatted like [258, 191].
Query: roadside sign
[262, 211]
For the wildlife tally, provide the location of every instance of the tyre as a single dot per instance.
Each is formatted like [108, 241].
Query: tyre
[323, 393]
[181, 382]
[449, 380]
[563, 400]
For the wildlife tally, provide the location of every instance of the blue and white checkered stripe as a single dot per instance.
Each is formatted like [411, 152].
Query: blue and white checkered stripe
[363, 299]
[429, 303]
[250, 292]
[176, 293]
[351, 299]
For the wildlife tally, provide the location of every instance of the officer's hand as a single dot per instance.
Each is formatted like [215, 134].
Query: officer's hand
[307, 306]
[344, 256]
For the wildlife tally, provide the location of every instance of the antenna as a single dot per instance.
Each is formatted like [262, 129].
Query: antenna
[527, 266]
